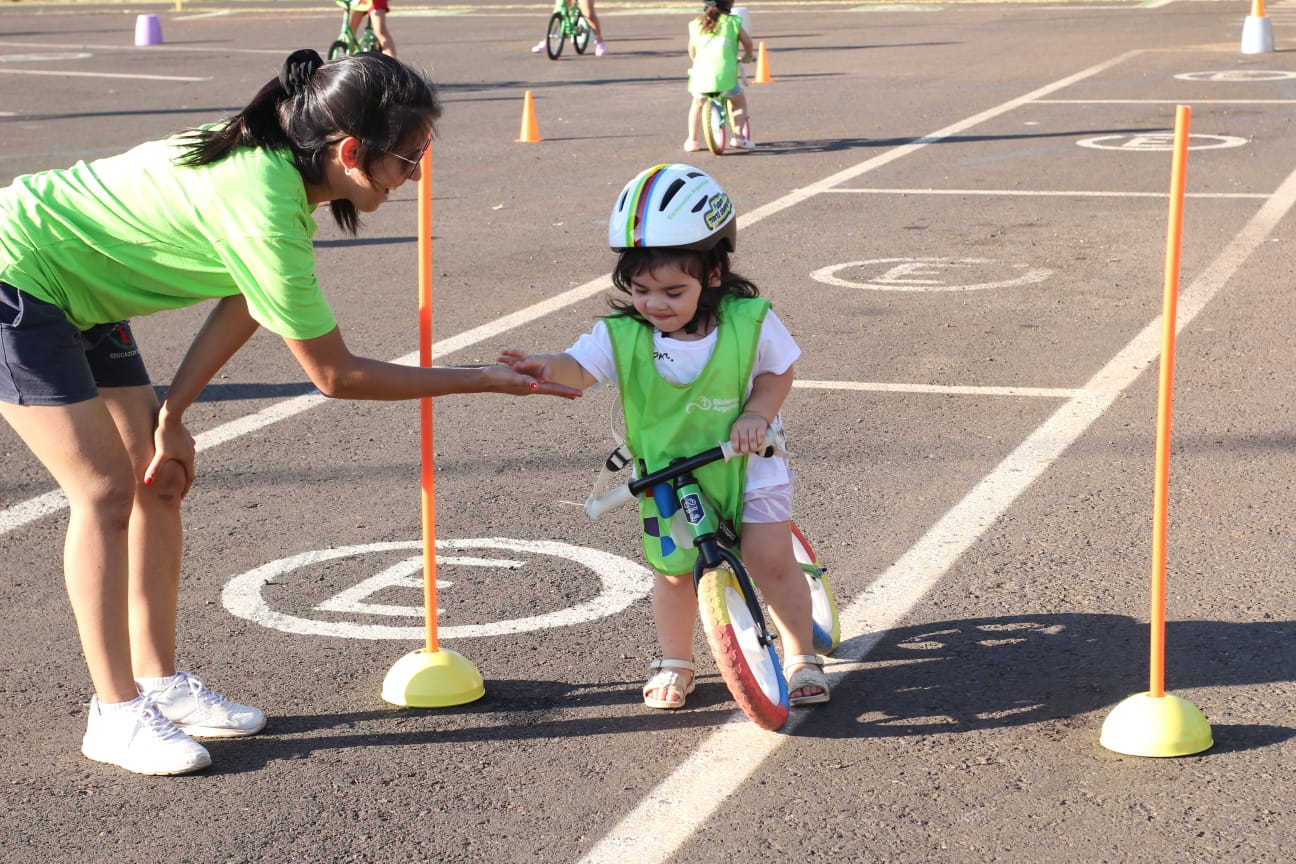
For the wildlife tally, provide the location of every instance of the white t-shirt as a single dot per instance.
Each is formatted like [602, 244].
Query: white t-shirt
[680, 362]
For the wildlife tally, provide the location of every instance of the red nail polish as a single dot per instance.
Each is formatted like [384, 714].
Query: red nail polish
[535, 386]
[148, 481]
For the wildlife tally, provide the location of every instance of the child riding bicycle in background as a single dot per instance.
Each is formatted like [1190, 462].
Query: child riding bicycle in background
[714, 39]
[377, 11]
[699, 357]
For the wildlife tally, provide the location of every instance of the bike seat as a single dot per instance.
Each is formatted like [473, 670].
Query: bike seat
[355, 5]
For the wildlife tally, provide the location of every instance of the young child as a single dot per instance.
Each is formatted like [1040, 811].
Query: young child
[377, 10]
[698, 357]
[714, 38]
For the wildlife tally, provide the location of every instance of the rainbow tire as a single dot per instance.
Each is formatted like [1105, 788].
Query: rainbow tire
[750, 670]
[826, 624]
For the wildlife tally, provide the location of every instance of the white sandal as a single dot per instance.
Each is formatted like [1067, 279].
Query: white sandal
[810, 674]
[664, 678]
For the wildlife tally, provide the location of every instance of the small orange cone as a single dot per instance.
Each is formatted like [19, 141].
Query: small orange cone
[530, 133]
[762, 66]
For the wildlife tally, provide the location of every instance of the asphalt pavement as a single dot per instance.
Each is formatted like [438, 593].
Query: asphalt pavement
[961, 212]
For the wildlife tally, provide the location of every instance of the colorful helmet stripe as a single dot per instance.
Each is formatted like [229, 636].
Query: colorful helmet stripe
[638, 204]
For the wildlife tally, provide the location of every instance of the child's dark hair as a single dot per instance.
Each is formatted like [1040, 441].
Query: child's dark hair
[312, 105]
[698, 264]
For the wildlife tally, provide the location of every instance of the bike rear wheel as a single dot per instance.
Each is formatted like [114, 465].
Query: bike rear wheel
[751, 670]
[554, 39]
[714, 125]
[338, 49]
[369, 42]
[581, 34]
[825, 623]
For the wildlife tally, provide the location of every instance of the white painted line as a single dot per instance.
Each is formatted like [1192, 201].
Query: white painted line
[686, 799]
[1027, 193]
[942, 389]
[152, 49]
[58, 74]
[1165, 101]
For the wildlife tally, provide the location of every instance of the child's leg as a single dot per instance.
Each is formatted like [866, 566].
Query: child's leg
[356, 18]
[675, 613]
[694, 124]
[767, 553]
[379, 18]
[739, 103]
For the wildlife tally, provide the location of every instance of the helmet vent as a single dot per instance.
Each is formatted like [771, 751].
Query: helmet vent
[671, 192]
[702, 202]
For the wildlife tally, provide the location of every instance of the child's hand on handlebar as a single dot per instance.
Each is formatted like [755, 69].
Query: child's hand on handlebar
[747, 434]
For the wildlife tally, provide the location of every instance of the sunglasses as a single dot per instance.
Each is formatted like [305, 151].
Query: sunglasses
[413, 163]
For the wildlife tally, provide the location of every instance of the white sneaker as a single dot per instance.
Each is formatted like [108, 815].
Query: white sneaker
[743, 143]
[599, 49]
[544, 43]
[136, 736]
[201, 712]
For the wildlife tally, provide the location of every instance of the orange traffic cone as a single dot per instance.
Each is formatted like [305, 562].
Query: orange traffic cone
[530, 131]
[762, 66]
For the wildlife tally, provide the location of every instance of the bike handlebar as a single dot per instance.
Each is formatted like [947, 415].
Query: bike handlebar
[598, 507]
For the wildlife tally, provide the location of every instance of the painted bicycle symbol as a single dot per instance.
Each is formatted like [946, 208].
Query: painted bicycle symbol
[325, 578]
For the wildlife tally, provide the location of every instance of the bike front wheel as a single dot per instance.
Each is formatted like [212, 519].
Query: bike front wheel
[369, 43]
[714, 125]
[750, 669]
[825, 622]
[581, 35]
[554, 39]
[338, 50]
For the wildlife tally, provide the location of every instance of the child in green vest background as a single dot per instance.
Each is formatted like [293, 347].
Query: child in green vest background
[714, 39]
[698, 357]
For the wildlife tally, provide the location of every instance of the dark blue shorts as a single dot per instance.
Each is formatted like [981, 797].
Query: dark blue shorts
[44, 360]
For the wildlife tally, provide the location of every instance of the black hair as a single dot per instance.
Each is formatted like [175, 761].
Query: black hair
[312, 104]
[698, 264]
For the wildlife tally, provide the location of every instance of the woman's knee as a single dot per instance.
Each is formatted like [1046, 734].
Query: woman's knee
[168, 483]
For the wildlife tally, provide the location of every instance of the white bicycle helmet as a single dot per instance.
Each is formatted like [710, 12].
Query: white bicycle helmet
[672, 206]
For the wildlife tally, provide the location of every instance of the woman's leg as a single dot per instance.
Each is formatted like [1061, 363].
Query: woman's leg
[156, 535]
[80, 446]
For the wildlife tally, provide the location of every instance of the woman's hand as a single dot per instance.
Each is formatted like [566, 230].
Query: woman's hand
[524, 379]
[172, 441]
[747, 434]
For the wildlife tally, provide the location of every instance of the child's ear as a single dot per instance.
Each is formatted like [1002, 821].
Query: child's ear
[713, 281]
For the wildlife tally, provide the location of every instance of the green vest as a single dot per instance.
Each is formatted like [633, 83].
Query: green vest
[667, 421]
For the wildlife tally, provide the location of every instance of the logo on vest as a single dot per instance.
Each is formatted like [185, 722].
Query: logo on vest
[706, 403]
[692, 509]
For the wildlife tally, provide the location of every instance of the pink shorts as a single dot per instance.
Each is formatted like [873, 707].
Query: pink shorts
[767, 505]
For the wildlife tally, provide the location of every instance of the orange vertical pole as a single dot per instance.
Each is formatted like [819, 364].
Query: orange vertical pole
[1165, 390]
[426, 451]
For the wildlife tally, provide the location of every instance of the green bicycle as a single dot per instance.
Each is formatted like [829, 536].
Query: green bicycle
[566, 21]
[740, 641]
[346, 43]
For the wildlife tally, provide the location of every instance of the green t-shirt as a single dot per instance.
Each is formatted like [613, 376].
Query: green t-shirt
[715, 56]
[136, 233]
